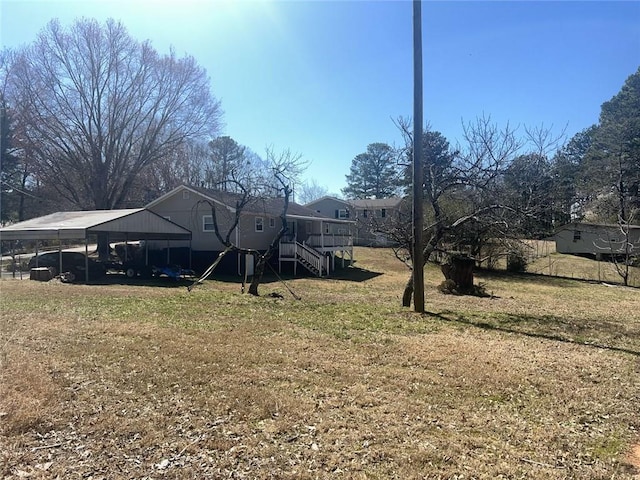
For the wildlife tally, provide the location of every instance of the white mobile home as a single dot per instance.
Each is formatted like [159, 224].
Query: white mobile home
[598, 240]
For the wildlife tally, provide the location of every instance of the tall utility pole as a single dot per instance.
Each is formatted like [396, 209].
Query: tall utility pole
[418, 175]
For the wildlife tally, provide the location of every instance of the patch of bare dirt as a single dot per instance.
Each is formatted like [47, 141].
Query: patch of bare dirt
[634, 458]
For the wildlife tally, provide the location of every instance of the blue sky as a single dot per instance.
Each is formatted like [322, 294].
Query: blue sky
[326, 78]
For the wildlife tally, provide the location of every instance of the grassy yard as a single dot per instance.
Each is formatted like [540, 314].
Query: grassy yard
[540, 380]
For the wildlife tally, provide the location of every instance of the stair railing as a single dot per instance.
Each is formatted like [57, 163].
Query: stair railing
[311, 256]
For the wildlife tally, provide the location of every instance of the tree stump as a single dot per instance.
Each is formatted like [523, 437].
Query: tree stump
[459, 270]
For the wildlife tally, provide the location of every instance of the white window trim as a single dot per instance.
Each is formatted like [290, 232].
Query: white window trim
[342, 213]
[259, 222]
[204, 223]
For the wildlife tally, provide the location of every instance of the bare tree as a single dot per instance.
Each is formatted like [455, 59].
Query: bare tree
[460, 188]
[285, 168]
[623, 250]
[183, 166]
[309, 191]
[102, 107]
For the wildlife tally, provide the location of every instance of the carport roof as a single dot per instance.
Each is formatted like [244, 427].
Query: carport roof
[129, 224]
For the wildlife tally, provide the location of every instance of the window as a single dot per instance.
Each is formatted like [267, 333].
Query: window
[185, 195]
[364, 213]
[383, 212]
[259, 224]
[577, 234]
[309, 228]
[342, 213]
[207, 223]
[326, 228]
[272, 222]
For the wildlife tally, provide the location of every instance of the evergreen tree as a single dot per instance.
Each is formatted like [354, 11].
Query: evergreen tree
[227, 163]
[373, 174]
[613, 160]
[571, 191]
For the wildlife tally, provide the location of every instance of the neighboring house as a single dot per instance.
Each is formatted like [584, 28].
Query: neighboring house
[597, 240]
[312, 241]
[372, 216]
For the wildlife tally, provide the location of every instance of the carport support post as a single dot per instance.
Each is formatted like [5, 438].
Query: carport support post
[59, 254]
[13, 258]
[86, 259]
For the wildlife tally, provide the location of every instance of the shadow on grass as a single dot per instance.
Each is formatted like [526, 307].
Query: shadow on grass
[354, 274]
[163, 282]
[351, 274]
[517, 324]
[524, 277]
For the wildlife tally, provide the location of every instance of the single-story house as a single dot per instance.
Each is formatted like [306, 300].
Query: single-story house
[313, 240]
[598, 240]
[371, 215]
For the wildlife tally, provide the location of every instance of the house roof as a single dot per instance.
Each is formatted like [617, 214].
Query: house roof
[374, 203]
[267, 206]
[327, 197]
[370, 203]
[574, 225]
[129, 224]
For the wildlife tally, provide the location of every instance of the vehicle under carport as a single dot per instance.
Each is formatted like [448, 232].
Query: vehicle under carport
[123, 225]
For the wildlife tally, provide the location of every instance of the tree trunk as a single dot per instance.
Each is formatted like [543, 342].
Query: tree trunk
[408, 292]
[257, 274]
[460, 271]
[103, 246]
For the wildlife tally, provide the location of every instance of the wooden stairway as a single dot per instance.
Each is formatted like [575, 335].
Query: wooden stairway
[311, 259]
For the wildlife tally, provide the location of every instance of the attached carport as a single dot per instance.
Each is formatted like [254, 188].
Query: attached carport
[118, 225]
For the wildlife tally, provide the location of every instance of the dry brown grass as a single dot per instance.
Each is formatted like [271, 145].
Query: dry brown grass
[571, 266]
[122, 381]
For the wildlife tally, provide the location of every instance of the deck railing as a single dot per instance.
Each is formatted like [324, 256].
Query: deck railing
[329, 240]
[287, 249]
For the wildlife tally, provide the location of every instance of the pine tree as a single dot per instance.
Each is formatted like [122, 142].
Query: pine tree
[373, 174]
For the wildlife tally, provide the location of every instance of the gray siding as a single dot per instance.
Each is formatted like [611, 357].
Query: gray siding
[186, 212]
[594, 239]
[327, 207]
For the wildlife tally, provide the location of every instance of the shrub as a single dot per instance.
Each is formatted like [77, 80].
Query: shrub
[516, 261]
